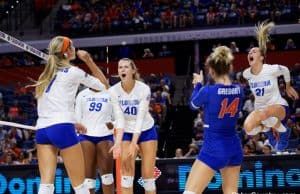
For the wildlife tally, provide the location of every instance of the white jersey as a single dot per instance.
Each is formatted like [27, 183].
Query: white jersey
[264, 86]
[135, 106]
[57, 104]
[94, 110]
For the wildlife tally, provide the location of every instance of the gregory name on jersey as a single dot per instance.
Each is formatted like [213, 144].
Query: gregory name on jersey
[229, 91]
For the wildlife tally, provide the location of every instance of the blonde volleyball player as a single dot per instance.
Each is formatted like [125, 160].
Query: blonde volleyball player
[270, 108]
[55, 92]
[221, 149]
[94, 110]
[134, 97]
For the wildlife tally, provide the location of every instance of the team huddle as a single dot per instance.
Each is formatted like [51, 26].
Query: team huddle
[84, 132]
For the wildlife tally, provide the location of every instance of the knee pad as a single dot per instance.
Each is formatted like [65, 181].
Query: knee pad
[270, 122]
[107, 179]
[127, 181]
[149, 185]
[46, 189]
[90, 183]
[81, 189]
[188, 192]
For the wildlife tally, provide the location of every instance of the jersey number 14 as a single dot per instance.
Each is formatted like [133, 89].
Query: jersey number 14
[231, 109]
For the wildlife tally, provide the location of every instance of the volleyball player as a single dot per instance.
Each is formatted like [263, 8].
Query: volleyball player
[139, 131]
[221, 149]
[271, 109]
[94, 110]
[55, 92]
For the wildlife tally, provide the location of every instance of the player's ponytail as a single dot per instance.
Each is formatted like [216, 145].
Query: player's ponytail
[262, 36]
[220, 60]
[56, 59]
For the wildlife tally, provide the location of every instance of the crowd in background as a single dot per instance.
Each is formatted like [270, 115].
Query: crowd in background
[80, 17]
[17, 103]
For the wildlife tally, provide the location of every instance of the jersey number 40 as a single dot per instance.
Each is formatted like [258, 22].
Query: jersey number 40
[231, 109]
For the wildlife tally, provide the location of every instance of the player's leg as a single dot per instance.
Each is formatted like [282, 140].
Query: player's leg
[89, 154]
[105, 163]
[230, 177]
[148, 153]
[127, 168]
[199, 177]
[47, 160]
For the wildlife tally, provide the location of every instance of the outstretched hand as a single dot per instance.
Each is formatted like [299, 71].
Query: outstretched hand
[198, 78]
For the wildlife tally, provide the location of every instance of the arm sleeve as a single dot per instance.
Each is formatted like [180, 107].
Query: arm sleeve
[78, 110]
[199, 97]
[88, 80]
[118, 116]
[278, 70]
[143, 108]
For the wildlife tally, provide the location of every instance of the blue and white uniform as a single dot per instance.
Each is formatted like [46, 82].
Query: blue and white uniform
[94, 109]
[135, 108]
[264, 86]
[222, 104]
[56, 112]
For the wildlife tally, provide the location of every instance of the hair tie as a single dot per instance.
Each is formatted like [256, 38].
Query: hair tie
[66, 44]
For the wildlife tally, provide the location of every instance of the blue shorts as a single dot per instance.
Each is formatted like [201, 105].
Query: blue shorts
[147, 135]
[95, 140]
[60, 135]
[218, 152]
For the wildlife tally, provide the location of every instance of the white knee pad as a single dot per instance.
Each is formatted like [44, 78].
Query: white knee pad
[270, 122]
[46, 189]
[149, 185]
[188, 192]
[81, 189]
[127, 181]
[90, 183]
[107, 179]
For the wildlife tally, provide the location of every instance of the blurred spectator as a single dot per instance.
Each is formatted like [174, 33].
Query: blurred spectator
[164, 51]
[178, 153]
[267, 150]
[290, 45]
[249, 105]
[247, 151]
[234, 48]
[193, 150]
[147, 53]
[2, 111]
[2, 134]
[251, 45]
[14, 110]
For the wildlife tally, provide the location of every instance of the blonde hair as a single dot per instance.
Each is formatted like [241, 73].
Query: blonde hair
[56, 60]
[136, 75]
[220, 60]
[262, 35]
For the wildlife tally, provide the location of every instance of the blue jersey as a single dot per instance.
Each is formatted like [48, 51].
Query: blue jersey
[221, 103]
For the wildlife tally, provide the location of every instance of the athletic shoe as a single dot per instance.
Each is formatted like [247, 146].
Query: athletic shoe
[284, 139]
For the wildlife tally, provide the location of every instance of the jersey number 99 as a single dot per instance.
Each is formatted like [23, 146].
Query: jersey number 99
[95, 106]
